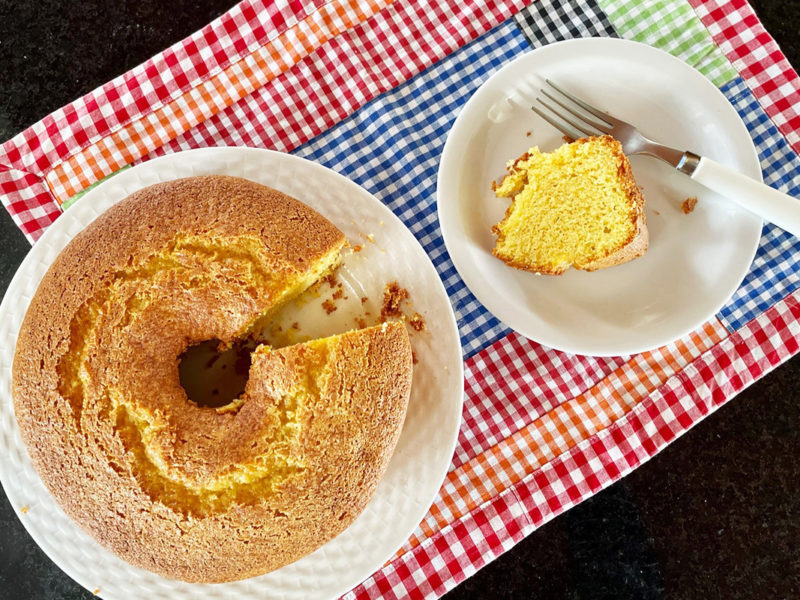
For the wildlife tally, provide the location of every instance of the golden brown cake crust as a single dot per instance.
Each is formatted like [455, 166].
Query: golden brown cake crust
[348, 438]
[637, 245]
[187, 492]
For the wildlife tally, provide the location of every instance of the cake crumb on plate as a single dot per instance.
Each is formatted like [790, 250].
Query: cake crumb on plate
[393, 297]
[417, 322]
[329, 306]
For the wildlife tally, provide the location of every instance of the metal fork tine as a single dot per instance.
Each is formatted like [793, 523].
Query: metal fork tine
[587, 107]
[566, 130]
[583, 127]
[599, 125]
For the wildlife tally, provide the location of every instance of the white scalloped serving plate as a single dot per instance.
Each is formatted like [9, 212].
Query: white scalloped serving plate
[425, 449]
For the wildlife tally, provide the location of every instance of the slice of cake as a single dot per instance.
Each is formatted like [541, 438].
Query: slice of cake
[577, 206]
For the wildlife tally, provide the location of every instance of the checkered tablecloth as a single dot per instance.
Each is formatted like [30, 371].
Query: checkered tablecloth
[371, 89]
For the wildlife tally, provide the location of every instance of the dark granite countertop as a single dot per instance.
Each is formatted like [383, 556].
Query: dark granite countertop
[715, 515]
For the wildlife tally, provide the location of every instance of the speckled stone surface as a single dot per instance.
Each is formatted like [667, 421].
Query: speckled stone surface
[715, 515]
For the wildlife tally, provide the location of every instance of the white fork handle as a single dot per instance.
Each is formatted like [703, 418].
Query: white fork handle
[766, 202]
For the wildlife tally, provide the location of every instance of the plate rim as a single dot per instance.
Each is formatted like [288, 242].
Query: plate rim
[451, 231]
[81, 205]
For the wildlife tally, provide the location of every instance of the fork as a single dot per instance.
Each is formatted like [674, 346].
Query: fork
[577, 118]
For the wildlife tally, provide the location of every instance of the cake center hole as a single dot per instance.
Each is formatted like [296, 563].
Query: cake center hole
[213, 376]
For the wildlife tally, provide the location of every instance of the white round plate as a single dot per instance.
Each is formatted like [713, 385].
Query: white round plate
[426, 445]
[695, 262]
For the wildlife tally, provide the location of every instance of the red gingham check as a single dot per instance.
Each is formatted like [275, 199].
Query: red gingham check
[458, 549]
[345, 74]
[542, 430]
[758, 59]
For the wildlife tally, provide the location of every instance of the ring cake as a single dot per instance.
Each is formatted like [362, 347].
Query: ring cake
[190, 492]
